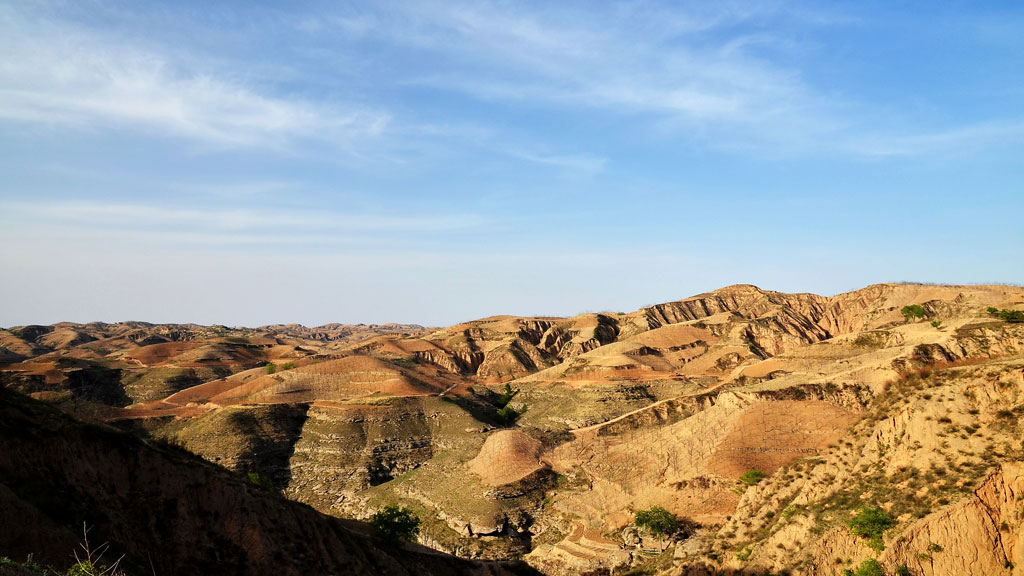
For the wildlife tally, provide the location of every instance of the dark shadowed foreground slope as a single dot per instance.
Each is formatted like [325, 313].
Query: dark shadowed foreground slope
[168, 511]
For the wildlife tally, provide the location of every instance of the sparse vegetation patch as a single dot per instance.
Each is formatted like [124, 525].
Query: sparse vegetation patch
[871, 522]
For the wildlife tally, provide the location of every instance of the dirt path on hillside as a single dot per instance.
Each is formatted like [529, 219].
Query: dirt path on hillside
[581, 431]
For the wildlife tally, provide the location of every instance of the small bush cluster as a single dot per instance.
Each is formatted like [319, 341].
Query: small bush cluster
[1007, 315]
[273, 368]
[869, 567]
[751, 477]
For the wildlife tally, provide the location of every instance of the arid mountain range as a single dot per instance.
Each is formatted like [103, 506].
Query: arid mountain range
[537, 439]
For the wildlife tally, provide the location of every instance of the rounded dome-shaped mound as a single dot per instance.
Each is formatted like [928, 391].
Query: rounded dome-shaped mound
[507, 456]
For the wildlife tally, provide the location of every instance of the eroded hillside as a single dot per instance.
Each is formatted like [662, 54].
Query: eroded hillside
[163, 511]
[539, 438]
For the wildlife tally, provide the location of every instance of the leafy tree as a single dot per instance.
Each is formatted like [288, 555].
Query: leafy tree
[394, 523]
[913, 312]
[657, 520]
[751, 477]
[507, 414]
[871, 522]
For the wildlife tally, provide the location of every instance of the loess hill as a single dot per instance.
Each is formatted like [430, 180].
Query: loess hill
[539, 438]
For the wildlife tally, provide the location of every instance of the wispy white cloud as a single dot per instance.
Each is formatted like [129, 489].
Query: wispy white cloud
[635, 59]
[970, 137]
[576, 163]
[60, 74]
[211, 225]
[722, 74]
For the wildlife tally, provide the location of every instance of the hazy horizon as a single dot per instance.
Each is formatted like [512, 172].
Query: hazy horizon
[432, 163]
[402, 322]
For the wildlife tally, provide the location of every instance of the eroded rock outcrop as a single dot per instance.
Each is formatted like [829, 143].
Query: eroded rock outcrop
[170, 512]
[981, 535]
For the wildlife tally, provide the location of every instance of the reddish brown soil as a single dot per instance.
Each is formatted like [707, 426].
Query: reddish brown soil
[773, 434]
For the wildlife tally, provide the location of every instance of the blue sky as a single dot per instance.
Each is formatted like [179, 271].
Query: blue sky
[250, 163]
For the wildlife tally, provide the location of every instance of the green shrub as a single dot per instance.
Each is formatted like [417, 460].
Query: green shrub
[288, 365]
[913, 312]
[507, 396]
[1006, 314]
[902, 570]
[1013, 316]
[869, 567]
[936, 324]
[751, 477]
[871, 522]
[271, 368]
[394, 523]
[508, 415]
[260, 480]
[657, 520]
[87, 568]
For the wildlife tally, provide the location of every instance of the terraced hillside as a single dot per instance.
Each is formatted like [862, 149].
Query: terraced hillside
[539, 438]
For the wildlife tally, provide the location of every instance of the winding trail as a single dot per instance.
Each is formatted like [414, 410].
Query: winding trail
[593, 427]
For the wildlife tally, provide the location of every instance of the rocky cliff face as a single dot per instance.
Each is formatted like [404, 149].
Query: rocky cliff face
[170, 512]
[980, 535]
[744, 300]
[341, 451]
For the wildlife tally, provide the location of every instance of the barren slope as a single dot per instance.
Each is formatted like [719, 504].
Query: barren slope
[669, 405]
